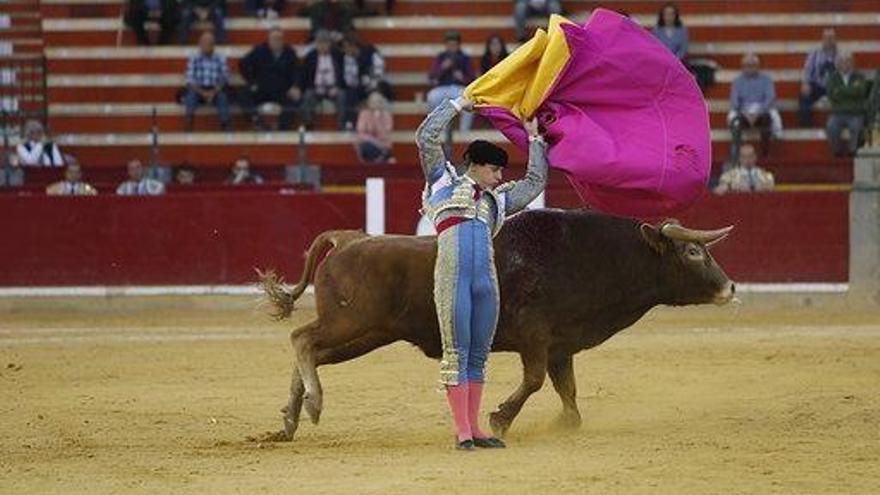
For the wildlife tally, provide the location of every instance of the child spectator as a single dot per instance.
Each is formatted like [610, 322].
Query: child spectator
[374, 126]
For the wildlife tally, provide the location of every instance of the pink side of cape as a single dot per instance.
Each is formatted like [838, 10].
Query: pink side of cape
[625, 120]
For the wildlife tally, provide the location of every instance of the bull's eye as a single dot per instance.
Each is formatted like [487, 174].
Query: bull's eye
[694, 253]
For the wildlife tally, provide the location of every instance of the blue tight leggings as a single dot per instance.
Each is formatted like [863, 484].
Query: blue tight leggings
[466, 297]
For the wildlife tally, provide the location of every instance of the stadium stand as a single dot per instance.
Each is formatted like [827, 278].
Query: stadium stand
[102, 87]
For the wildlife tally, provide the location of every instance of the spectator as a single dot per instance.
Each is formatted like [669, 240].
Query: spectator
[374, 126]
[333, 16]
[671, 32]
[163, 11]
[138, 184]
[753, 105]
[848, 94]
[185, 176]
[323, 80]
[873, 111]
[746, 176]
[37, 150]
[451, 72]
[259, 8]
[206, 79]
[202, 10]
[496, 51]
[523, 9]
[272, 73]
[363, 70]
[72, 185]
[11, 174]
[242, 174]
[817, 68]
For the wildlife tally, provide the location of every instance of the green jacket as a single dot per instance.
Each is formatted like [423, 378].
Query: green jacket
[848, 98]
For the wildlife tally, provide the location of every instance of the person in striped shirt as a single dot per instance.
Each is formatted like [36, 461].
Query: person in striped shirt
[138, 184]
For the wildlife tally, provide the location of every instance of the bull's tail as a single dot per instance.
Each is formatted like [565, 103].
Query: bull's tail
[280, 297]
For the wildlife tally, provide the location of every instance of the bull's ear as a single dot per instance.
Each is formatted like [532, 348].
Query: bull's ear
[653, 237]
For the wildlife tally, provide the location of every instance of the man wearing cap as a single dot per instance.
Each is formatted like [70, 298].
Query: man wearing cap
[451, 72]
[467, 211]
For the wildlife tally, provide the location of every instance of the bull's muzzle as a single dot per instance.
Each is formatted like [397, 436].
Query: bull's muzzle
[726, 295]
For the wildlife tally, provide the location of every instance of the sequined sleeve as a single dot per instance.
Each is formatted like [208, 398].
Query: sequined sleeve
[429, 138]
[523, 191]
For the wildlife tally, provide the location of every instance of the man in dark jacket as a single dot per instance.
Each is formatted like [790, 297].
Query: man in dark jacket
[848, 94]
[202, 10]
[272, 73]
[323, 79]
[451, 72]
[140, 11]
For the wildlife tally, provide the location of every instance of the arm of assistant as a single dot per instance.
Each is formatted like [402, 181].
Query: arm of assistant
[429, 137]
[525, 190]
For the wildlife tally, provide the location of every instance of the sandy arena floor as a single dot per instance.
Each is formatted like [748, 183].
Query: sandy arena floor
[699, 400]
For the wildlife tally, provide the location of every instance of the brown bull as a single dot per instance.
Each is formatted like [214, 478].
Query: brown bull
[569, 280]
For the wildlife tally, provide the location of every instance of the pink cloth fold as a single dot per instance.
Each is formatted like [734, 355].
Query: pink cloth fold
[625, 121]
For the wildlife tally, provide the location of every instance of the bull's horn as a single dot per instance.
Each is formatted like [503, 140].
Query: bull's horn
[679, 233]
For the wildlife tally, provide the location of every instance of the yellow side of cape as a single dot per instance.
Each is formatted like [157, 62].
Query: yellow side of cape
[521, 81]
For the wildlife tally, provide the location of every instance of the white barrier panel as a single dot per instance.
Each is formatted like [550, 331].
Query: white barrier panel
[375, 206]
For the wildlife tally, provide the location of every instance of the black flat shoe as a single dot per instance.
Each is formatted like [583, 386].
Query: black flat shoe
[489, 443]
[465, 445]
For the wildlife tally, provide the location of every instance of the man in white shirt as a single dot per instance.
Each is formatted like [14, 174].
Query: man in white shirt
[137, 184]
[72, 185]
[746, 176]
[36, 150]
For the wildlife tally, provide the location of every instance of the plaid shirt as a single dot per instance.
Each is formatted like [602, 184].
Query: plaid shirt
[207, 70]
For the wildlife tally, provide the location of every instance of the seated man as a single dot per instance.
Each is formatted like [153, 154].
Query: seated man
[242, 174]
[264, 9]
[745, 176]
[11, 174]
[141, 11]
[36, 150]
[522, 9]
[451, 72]
[818, 66]
[185, 176]
[206, 79]
[202, 10]
[138, 184]
[323, 80]
[848, 94]
[271, 70]
[752, 106]
[72, 185]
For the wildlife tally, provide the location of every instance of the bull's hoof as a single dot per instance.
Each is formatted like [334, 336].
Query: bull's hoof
[272, 436]
[499, 424]
[312, 405]
[569, 420]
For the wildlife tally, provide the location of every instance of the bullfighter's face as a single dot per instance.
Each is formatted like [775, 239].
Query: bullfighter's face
[486, 176]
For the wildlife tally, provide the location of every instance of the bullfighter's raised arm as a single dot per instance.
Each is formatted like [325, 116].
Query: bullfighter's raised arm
[522, 192]
[429, 137]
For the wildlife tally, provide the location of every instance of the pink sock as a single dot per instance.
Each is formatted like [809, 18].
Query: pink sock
[457, 396]
[475, 395]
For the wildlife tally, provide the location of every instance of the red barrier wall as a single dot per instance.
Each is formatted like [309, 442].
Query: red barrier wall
[219, 237]
[213, 238]
[779, 237]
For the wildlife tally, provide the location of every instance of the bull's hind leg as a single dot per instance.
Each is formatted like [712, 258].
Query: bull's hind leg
[534, 370]
[302, 340]
[561, 371]
[294, 405]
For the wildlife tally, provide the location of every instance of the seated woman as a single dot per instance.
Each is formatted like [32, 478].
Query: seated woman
[374, 126]
[671, 32]
[496, 51]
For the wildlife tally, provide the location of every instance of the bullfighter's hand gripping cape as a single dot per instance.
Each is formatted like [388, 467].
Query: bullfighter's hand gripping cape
[624, 118]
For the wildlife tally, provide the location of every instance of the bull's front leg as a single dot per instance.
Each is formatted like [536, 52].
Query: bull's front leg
[561, 371]
[534, 369]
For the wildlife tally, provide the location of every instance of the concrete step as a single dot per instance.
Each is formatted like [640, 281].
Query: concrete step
[110, 8]
[416, 29]
[335, 148]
